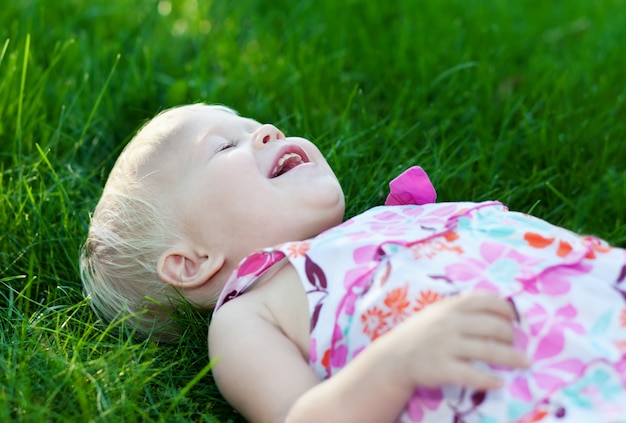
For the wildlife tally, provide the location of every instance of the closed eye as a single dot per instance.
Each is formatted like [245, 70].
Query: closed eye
[227, 145]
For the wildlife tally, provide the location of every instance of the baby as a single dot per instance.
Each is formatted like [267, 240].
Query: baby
[413, 311]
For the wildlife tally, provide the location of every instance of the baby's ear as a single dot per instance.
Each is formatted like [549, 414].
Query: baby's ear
[185, 268]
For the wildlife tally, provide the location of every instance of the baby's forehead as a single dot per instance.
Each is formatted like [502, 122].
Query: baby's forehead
[196, 116]
[183, 115]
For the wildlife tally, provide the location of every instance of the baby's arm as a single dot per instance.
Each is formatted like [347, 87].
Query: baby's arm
[262, 373]
[258, 369]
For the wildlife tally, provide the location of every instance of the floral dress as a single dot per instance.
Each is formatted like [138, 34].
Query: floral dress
[370, 273]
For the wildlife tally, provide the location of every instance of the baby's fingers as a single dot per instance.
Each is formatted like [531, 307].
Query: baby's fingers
[485, 301]
[493, 352]
[465, 374]
[488, 326]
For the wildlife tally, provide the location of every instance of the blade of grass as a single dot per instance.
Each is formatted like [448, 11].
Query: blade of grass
[20, 100]
[81, 138]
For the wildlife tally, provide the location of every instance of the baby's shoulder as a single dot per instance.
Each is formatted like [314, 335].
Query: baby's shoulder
[278, 301]
[234, 316]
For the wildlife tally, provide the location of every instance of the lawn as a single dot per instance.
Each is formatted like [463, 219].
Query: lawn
[523, 101]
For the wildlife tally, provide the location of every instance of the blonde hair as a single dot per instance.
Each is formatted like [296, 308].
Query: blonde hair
[129, 230]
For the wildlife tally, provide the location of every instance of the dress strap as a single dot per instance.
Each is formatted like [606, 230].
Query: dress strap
[250, 271]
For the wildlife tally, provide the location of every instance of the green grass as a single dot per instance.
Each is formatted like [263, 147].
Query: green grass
[518, 101]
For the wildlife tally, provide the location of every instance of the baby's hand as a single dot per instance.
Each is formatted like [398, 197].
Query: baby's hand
[437, 345]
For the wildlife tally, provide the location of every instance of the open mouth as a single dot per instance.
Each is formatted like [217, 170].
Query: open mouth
[287, 159]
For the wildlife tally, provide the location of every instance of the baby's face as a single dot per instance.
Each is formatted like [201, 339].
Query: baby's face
[242, 185]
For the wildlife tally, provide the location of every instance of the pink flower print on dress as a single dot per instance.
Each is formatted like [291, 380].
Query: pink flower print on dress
[553, 339]
[388, 216]
[339, 351]
[496, 265]
[555, 280]
[439, 216]
[412, 212]
[335, 357]
[358, 279]
[423, 399]
[621, 370]
[551, 368]
[390, 223]
[257, 263]
[364, 254]
[313, 350]
[402, 220]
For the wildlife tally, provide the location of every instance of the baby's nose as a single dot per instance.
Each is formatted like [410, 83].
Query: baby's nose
[266, 134]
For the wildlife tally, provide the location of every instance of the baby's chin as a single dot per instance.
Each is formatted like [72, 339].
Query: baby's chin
[332, 217]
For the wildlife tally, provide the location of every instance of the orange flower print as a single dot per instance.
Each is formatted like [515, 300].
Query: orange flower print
[537, 241]
[621, 345]
[451, 236]
[534, 416]
[623, 318]
[431, 248]
[590, 255]
[564, 248]
[326, 359]
[397, 303]
[375, 322]
[597, 246]
[427, 297]
[298, 249]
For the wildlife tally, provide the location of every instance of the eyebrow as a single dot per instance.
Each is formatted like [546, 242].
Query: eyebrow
[249, 125]
[206, 133]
